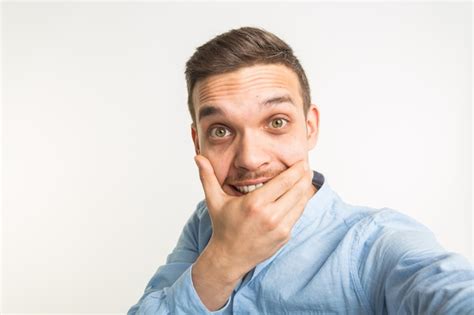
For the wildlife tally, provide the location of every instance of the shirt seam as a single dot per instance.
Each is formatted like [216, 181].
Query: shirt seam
[355, 277]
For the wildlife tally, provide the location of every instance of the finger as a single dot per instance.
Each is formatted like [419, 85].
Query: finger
[292, 215]
[212, 188]
[280, 184]
[290, 200]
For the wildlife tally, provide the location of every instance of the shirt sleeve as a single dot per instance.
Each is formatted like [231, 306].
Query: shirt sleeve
[403, 269]
[171, 290]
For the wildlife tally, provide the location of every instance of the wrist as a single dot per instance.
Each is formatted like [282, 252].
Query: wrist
[213, 279]
[224, 268]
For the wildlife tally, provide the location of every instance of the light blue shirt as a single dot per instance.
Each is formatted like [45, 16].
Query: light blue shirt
[341, 259]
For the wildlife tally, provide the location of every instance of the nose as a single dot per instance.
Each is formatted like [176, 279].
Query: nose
[251, 153]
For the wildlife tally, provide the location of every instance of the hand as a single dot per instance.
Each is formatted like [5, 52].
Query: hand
[249, 229]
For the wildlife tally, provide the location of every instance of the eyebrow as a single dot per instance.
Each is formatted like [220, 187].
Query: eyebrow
[277, 100]
[210, 110]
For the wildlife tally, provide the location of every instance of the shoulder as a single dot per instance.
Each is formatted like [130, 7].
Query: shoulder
[201, 212]
[198, 219]
[381, 230]
[393, 225]
[385, 237]
[201, 224]
[390, 228]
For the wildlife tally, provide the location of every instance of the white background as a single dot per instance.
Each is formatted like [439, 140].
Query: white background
[98, 171]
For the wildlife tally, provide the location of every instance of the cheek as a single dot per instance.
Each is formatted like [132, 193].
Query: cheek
[220, 163]
[291, 148]
[291, 154]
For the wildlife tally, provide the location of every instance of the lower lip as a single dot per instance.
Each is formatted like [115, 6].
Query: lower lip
[235, 190]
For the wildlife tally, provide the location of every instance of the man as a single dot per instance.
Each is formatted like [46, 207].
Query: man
[271, 236]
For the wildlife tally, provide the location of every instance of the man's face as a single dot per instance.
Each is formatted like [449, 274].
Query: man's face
[251, 126]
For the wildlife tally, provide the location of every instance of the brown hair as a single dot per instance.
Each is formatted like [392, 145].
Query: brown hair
[240, 48]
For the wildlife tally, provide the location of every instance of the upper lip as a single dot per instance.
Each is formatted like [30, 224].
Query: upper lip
[251, 182]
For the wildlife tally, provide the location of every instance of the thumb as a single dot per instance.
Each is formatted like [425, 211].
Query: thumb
[212, 188]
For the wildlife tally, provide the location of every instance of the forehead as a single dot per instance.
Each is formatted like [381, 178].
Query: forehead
[247, 84]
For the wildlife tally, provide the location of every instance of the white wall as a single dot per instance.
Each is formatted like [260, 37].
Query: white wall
[98, 171]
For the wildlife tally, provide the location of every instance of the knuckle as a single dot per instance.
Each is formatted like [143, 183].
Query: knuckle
[284, 233]
[252, 208]
[270, 223]
[254, 201]
[300, 188]
[305, 182]
[286, 182]
[301, 184]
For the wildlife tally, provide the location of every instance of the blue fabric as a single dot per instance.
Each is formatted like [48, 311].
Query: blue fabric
[341, 259]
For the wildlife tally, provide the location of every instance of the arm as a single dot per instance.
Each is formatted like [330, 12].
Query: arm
[171, 291]
[213, 283]
[245, 231]
[403, 270]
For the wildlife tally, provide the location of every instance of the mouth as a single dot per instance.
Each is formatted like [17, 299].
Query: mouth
[245, 189]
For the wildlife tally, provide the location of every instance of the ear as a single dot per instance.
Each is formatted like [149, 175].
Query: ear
[194, 135]
[312, 126]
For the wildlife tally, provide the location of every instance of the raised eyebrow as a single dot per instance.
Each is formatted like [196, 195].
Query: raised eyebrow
[277, 100]
[209, 110]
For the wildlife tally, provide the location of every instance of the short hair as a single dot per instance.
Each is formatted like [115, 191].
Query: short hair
[238, 48]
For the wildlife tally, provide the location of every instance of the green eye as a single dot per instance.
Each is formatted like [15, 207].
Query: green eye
[219, 132]
[278, 123]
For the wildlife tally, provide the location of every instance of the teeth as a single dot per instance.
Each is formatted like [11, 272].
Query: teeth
[249, 188]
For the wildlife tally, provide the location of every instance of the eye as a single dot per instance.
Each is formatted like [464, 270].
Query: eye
[278, 123]
[219, 132]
